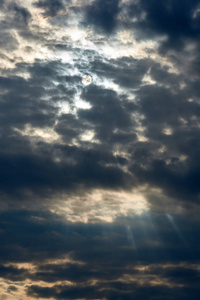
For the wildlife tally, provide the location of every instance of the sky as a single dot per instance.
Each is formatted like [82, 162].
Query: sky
[99, 180]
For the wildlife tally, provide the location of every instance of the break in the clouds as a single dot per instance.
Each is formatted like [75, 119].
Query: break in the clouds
[99, 182]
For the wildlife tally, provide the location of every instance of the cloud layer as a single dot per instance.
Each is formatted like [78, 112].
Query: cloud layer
[99, 184]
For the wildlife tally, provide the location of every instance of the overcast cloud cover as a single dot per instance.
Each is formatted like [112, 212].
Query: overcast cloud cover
[99, 183]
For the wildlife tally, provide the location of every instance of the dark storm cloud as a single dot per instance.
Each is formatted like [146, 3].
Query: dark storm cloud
[24, 100]
[124, 292]
[107, 105]
[13, 274]
[183, 186]
[168, 18]
[182, 275]
[149, 292]
[149, 256]
[163, 105]
[70, 127]
[39, 174]
[163, 109]
[62, 292]
[24, 103]
[31, 233]
[102, 14]
[20, 110]
[102, 253]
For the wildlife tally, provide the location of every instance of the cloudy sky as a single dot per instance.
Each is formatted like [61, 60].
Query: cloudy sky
[99, 182]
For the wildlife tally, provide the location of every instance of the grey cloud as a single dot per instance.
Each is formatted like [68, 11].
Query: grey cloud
[160, 106]
[107, 105]
[106, 252]
[146, 137]
[51, 7]
[8, 41]
[12, 274]
[103, 14]
[167, 19]
[12, 288]
[164, 109]
[23, 105]
[19, 16]
[125, 72]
